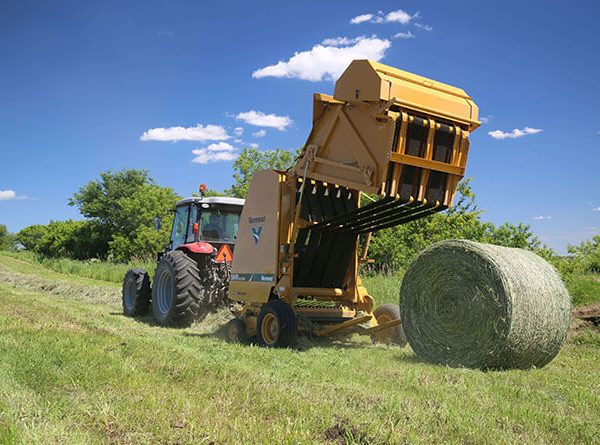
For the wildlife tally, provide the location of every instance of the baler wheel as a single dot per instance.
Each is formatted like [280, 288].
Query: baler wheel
[236, 331]
[276, 326]
[136, 293]
[393, 335]
[176, 290]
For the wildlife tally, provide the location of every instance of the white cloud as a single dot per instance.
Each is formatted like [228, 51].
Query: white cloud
[221, 146]
[361, 18]
[5, 195]
[260, 119]
[342, 41]
[259, 134]
[221, 151]
[597, 209]
[237, 141]
[514, 134]
[397, 16]
[404, 35]
[169, 34]
[424, 27]
[238, 131]
[325, 62]
[541, 218]
[254, 145]
[198, 133]
[486, 119]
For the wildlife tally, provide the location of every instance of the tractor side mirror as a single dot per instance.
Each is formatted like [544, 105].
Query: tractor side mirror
[157, 223]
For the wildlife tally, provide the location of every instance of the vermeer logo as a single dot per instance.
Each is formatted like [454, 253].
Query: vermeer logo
[256, 230]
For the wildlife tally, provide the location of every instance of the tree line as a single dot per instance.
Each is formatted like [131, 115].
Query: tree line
[119, 208]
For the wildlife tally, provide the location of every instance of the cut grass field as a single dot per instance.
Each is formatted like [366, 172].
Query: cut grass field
[585, 289]
[74, 370]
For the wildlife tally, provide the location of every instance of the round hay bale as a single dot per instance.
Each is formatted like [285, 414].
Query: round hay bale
[476, 305]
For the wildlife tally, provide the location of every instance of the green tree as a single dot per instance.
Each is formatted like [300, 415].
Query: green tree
[30, 236]
[6, 239]
[123, 205]
[74, 239]
[251, 160]
[393, 249]
[137, 237]
[58, 238]
[586, 255]
[99, 199]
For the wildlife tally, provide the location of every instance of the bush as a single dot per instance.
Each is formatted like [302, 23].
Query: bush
[30, 236]
[73, 239]
[120, 209]
[586, 256]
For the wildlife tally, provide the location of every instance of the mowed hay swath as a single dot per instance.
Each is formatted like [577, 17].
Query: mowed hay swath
[483, 306]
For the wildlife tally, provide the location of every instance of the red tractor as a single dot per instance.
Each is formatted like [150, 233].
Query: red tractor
[192, 274]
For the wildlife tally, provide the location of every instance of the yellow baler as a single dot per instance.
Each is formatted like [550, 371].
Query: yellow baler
[385, 132]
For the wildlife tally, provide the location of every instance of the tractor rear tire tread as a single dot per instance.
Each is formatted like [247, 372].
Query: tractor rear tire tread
[188, 289]
[142, 296]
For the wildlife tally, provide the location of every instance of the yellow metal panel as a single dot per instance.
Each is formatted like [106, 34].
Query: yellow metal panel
[254, 269]
[365, 80]
[424, 163]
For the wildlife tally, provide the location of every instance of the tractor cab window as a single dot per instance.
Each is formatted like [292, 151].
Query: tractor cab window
[180, 224]
[191, 236]
[219, 223]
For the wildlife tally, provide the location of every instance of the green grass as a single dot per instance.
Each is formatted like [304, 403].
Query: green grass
[384, 289]
[75, 372]
[584, 289]
[97, 270]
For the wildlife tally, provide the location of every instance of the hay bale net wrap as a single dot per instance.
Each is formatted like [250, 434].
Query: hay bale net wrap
[477, 305]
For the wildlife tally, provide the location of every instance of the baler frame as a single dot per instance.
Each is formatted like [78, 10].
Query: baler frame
[385, 132]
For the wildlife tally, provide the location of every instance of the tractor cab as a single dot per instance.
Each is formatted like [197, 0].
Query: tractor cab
[199, 221]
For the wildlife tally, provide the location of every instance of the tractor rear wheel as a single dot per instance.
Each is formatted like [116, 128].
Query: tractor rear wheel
[276, 326]
[176, 290]
[393, 335]
[136, 293]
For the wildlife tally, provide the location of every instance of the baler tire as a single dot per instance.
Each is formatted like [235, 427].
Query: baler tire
[136, 293]
[393, 335]
[236, 331]
[176, 290]
[276, 325]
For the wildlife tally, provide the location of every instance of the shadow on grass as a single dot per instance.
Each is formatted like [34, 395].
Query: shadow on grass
[144, 319]
[215, 327]
[303, 343]
[415, 359]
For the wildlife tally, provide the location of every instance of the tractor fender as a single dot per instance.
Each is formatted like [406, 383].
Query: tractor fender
[197, 247]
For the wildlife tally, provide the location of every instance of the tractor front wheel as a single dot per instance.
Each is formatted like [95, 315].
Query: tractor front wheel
[276, 326]
[176, 290]
[136, 293]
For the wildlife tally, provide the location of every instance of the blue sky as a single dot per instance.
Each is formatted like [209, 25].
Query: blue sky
[91, 86]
